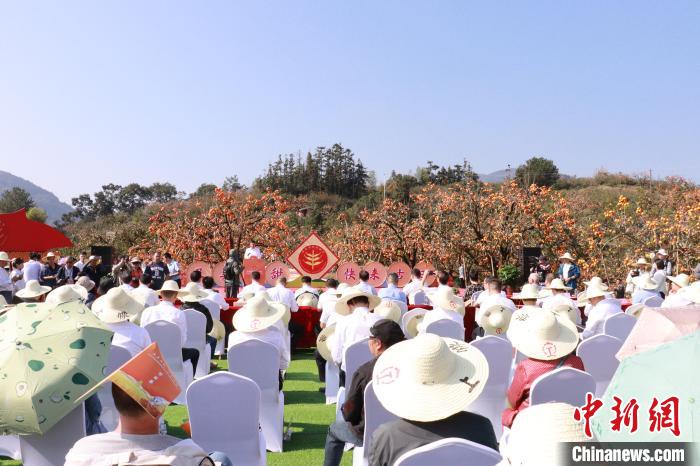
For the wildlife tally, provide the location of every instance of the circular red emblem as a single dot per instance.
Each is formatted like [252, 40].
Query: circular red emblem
[549, 349]
[313, 259]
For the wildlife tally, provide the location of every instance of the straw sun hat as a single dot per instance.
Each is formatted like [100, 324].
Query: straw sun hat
[596, 281]
[682, 280]
[446, 300]
[411, 319]
[642, 261]
[86, 283]
[593, 291]
[645, 282]
[32, 289]
[495, 319]
[169, 285]
[116, 306]
[389, 309]
[429, 378]
[529, 291]
[4, 257]
[558, 284]
[341, 306]
[191, 293]
[258, 314]
[635, 310]
[66, 293]
[542, 334]
[307, 299]
[567, 256]
[325, 341]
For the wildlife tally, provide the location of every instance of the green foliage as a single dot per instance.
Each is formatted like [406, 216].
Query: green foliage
[15, 199]
[204, 189]
[232, 184]
[37, 214]
[435, 174]
[509, 274]
[537, 170]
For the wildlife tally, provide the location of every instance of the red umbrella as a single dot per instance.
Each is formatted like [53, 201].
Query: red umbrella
[19, 234]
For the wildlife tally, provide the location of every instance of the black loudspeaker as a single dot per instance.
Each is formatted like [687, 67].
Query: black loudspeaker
[105, 252]
[528, 259]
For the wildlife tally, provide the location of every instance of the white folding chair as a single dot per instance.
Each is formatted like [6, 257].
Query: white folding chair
[167, 336]
[450, 451]
[446, 328]
[418, 297]
[598, 355]
[375, 415]
[563, 385]
[9, 446]
[50, 449]
[619, 325]
[332, 382]
[196, 338]
[354, 356]
[492, 401]
[110, 416]
[260, 362]
[224, 412]
[653, 301]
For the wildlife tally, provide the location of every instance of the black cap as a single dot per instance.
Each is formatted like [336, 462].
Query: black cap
[387, 331]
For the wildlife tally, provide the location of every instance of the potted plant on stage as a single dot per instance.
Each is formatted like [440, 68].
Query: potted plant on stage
[508, 274]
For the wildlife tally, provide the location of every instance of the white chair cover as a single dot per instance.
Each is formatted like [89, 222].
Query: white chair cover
[450, 451]
[260, 362]
[565, 385]
[492, 401]
[50, 449]
[224, 412]
[418, 297]
[598, 355]
[375, 415]
[332, 382]
[653, 301]
[196, 338]
[9, 446]
[110, 416]
[167, 336]
[446, 328]
[619, 325]
[354, 356]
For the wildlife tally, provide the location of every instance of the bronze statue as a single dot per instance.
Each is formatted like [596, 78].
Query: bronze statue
[232, 273]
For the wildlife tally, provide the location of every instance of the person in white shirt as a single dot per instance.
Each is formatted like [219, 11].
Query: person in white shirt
[645, 288]
[281, 294]
[196, 277]
[356, 305]
[415, 284]
[305, 287]
[173, 268]
[363, 285]
[443, 280]
[632, 277]
[17, 274]
[602, 309]
[144, 294]
[493, 296]
[560, 296]
[255, 287]
[327, 300]
[208, 283]
[257, 321]
[115, 309]
[678, 286]
[125, 280]
[659, 276]
[167, 311]
[446, 305]
[81, 261]
[6, 286]
[32, 269]
[252, 251]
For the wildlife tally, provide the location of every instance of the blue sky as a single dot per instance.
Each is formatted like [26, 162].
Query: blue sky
[190, 92]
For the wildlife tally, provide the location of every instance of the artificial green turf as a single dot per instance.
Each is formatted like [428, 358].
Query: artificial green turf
[304, 407]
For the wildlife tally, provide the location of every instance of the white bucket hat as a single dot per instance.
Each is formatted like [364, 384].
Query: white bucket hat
[4, 257]
[635, 310]
[341, 306]
[558, 284]
[191, 293]
[258, 314]
[645, 282]
[495, 319]
[529, 291]
[446, 300]
[325, 342]
[86, 283]
[32, 289]
[169, 285]
[389, 309]
[66, 294]
[116, 306]
[410, 321]
[566, 255]
[537, 432]
[429, 378]
[642, 261]
[596, 281]
[682, 280]
[542, 334]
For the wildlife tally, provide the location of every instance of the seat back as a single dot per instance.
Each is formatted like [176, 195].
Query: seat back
[167, 336]
[446, 328]
[653, 301]
[50, 449]
[598, 355]
[564, 385]
[490, 404]
[450, 451]
[375, 415]
[230, 424]
[257, 360]
[354, 356]
[196, 329]
[109, 417]
[418, 297]
[619, 325]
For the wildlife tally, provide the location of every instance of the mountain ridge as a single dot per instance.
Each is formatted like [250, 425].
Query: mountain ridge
[42, 198]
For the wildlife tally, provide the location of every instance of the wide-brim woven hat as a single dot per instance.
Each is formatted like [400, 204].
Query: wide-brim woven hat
[218, 330]
[595, 291]
[446, 300]
[32, 289]
[682, 280]
[191, 293]
[642, 261]
[635, 310]
[258, 314]
[569, 312]
[341, 306]
[557, 284]
[566, 255]
[86, 283]
[116, 306]
[542, 334]
[307, 300]
[410, 321]
[389, 309]
[495, 319]
[537, 432]
[596, 281]
[287, 316]
[645, 282]
[66, 294]
[529, 291]
[429, 378]
[325, 341]
[169, 285]
[4, 257]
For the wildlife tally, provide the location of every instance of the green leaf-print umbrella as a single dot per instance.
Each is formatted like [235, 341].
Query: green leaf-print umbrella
[49, 356]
